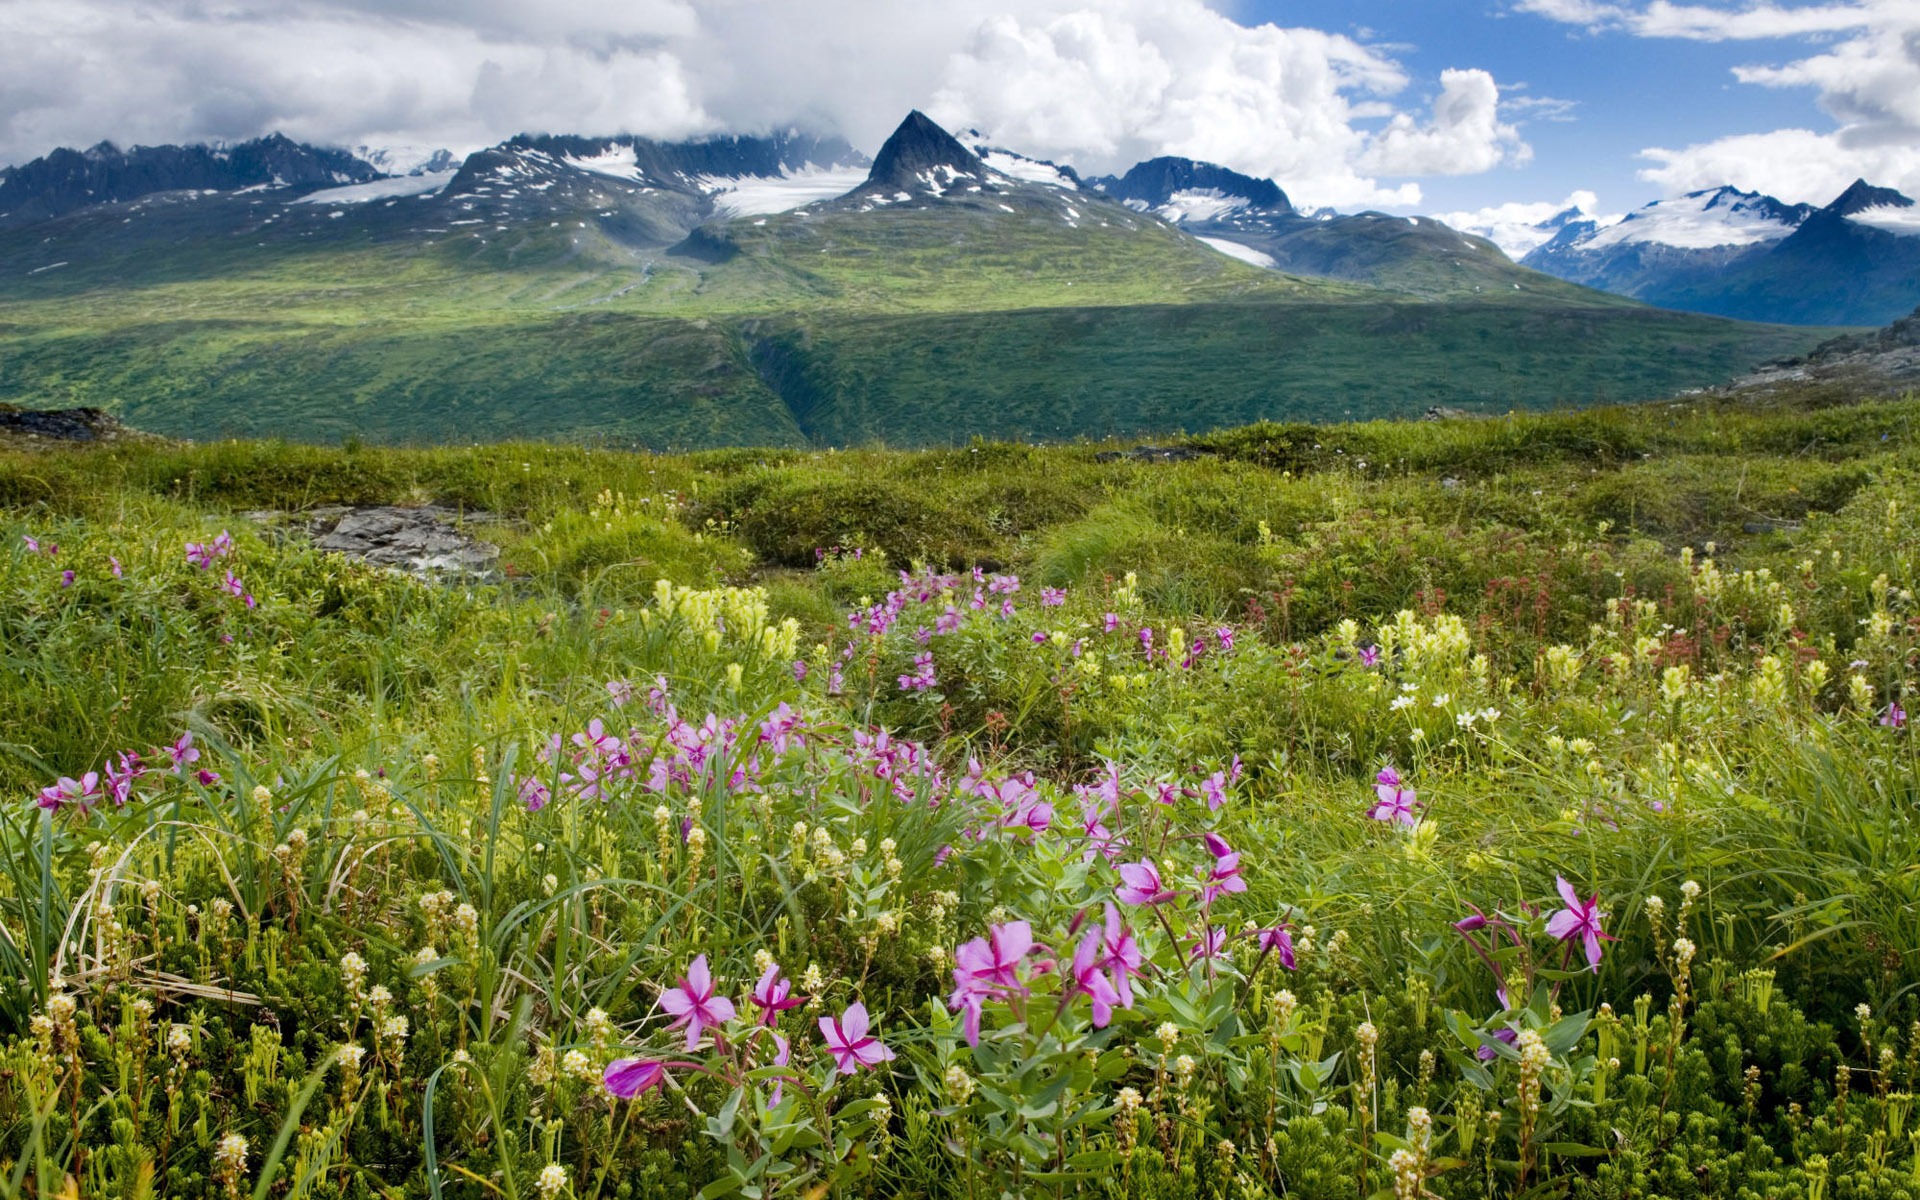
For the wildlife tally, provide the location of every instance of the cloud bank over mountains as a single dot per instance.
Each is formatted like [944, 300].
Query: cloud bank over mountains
[1102, 83]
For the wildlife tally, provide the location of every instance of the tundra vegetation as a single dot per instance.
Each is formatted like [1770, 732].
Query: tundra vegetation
[1509, 807]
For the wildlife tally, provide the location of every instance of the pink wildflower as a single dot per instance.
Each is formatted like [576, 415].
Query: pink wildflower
[1090, 978]
[1278, 940]
[1393, 802]
[629, 1077]
[1580, 920]
[693, 1003]
[1140, 884]
[773, 996]
[69, 792]
[850, 1043]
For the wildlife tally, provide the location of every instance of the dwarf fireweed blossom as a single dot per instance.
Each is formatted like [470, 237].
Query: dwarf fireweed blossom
[1141, 884]
[1089, 976]
[122, 776]
[1393, 802]
[1579, 921]
[693, 1003]
[182, 754]
[922, 677]
[988, 967]
[1278, 941]
[534, 794]
[1895, 717]
[1120, 955]
[1224, 878]
[205, 554]
[69, 792]
[849, 1041]
[1215, 791]
[626, 1078]
[773, 995]
[1210, 945]
[1101, 841]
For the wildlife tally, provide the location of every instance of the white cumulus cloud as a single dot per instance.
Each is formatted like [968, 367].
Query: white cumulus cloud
[1515, 225]
[1861, 60]
[1100, 83]
[1465, 135]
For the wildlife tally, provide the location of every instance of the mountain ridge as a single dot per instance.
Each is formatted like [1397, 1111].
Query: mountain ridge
[773, 289]
[1745, 255]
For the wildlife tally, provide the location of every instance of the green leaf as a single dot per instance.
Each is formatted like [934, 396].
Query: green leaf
[730, 1111]
[726, 1185]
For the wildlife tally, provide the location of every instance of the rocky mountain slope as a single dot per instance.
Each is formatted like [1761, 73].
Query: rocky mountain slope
[1855, 261]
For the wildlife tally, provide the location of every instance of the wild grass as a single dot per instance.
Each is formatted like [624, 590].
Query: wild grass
[438, 877]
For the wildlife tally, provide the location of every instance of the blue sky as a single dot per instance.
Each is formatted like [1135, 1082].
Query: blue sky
[1623, 93]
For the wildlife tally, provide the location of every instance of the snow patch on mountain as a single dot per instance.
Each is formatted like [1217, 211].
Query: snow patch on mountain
[1890, 218]
[759, 195]
[1246, 254]
[382, 189]
[615, 162]
[411, 160]
[1200, 204]
[1700, 221]
[1027, 170]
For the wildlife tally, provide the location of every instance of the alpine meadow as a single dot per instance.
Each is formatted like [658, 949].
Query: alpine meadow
[1094, 647]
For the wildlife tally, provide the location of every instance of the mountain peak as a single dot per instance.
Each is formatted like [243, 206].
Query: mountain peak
[921, 151]
[1862, 195]
[1155, 182]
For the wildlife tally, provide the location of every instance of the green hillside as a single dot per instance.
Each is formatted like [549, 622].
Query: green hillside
[909, 325]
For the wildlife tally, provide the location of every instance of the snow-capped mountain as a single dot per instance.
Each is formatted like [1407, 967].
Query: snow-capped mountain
[1518, 229]
[626, 192]
[1701, 230]
[1253, 220]
[921, 166]
[1742, 254]
[408, 160]
[70, 180]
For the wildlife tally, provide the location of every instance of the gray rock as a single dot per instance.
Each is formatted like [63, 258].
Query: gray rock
[428, 541]
[62, 425]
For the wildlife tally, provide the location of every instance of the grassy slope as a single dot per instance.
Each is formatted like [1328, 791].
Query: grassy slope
[1790, 807]
[900, 325]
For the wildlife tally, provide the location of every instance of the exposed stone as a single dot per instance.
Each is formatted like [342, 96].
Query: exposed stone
[26, 426]
[1884, 361]
[428, 541]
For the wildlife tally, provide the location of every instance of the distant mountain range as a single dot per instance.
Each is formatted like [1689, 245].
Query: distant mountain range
[1252, 220]
[1855, 261]
[773, 290]
[71, 180]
